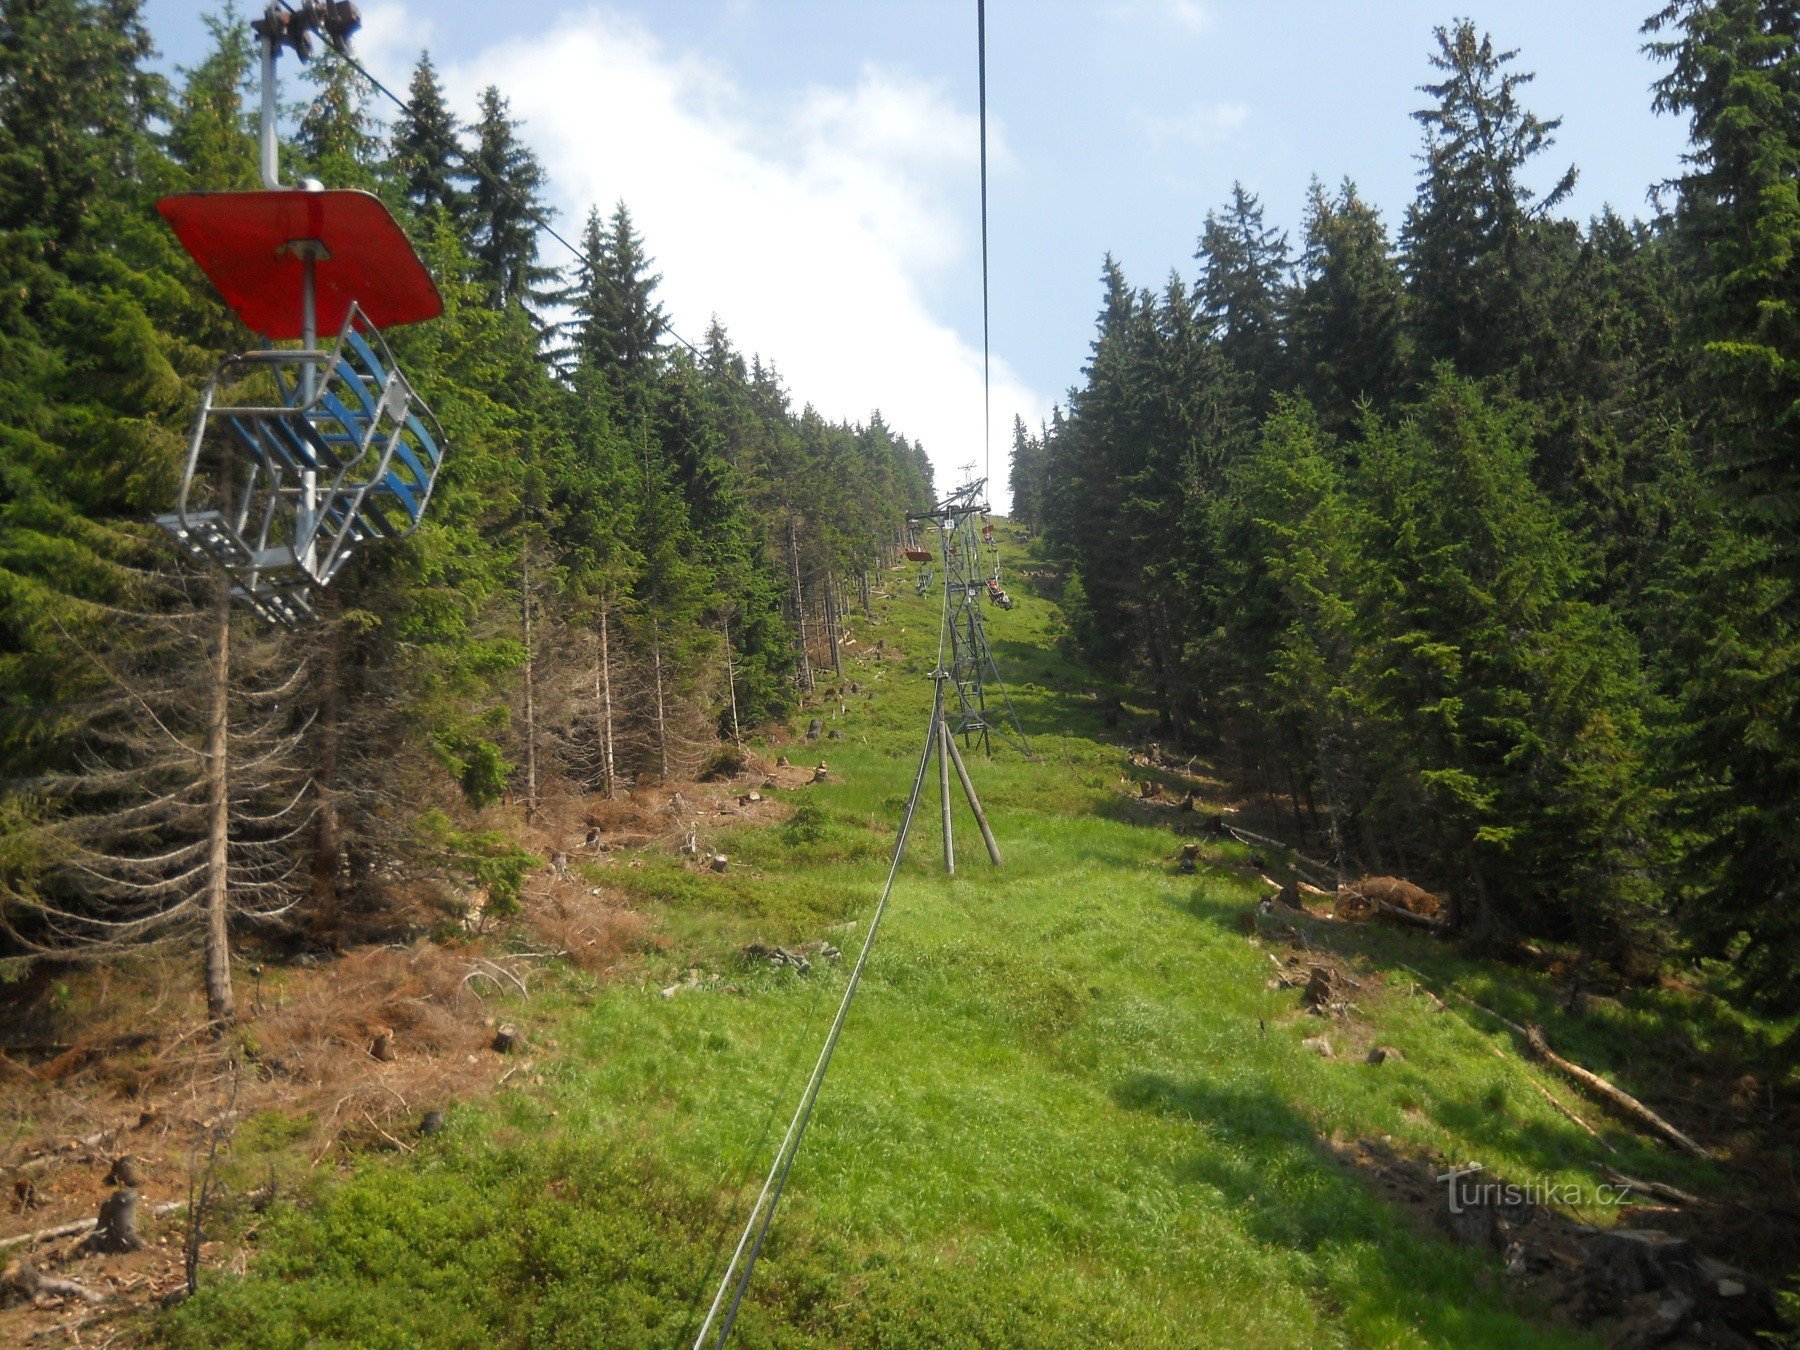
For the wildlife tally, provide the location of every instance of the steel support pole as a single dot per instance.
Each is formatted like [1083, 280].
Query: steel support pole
[943, 752]
[271, 160]
[309, 387]
[962, 772]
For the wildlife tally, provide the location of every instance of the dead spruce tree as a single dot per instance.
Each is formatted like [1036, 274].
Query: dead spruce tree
[181, 805]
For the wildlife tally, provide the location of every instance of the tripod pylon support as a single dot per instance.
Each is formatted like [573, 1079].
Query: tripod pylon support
[943, 743]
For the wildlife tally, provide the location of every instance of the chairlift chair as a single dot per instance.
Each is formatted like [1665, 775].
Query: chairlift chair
[336, 449]
[321, 448]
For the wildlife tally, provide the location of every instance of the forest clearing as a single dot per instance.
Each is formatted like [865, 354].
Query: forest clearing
[459, 883]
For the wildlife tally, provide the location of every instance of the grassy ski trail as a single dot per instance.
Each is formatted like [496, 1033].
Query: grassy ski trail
[1068, 1110]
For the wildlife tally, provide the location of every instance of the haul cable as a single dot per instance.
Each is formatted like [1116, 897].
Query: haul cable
[736, 1280]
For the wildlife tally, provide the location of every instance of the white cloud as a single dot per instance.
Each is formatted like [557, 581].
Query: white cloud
[1202, 124]
[389, 41]
[808, 222]
[1190, 14]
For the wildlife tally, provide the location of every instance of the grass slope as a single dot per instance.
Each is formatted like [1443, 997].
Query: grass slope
[1066, 1109]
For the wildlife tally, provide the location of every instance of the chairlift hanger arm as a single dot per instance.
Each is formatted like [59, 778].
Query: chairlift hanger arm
[284, 25]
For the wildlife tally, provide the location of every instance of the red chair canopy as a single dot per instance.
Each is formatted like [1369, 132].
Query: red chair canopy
[241, 241]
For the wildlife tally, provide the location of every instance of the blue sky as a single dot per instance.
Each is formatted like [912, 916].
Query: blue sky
[808, 169]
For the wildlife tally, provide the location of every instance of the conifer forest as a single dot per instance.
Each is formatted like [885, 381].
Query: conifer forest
[1375, 720]
[1474, 532]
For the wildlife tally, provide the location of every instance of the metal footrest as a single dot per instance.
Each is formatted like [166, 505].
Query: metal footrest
[273, 583]
[206, 537]
[288, 606]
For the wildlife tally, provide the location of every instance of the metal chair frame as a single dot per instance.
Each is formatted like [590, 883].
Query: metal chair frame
[350, 454]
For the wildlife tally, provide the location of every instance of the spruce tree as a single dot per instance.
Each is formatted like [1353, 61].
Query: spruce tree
[210, 134]
[1512, 706]
[1025, 477]
[76, 100]
[1470, 235]
[1735, 69]
[336, 139]
[505, 206]
[632, 321]
[1346, 323]
[426, 148]
[1243, 289]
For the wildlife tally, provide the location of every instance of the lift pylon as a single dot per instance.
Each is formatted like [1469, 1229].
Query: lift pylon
[973, 678]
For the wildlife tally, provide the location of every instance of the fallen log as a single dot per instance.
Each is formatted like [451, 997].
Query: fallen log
[1660, 1189]
[60, 1152]
[24, 1280]
[76, 1227]
[1301, 861]
[1569, 1114]
[1401, 915]
[1624, 1101]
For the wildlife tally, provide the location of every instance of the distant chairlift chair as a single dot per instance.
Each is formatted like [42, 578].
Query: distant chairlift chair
[333, 448]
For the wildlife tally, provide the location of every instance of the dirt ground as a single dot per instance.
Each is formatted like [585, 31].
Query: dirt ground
[333, 1053]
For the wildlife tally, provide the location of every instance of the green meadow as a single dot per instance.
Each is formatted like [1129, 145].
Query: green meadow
[1067, 1110]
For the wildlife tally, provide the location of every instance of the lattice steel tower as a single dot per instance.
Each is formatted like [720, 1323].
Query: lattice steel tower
[965, 554]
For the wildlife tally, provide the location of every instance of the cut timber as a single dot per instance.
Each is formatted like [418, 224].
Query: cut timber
[1400, 915]
[1624, 1101]
[1383, 895]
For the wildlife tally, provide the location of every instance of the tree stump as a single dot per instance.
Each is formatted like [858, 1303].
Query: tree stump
[117, 1230]
[821, 773]
[1319, 990]
[719, 862]
[382, 1047]
[506, 1038]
